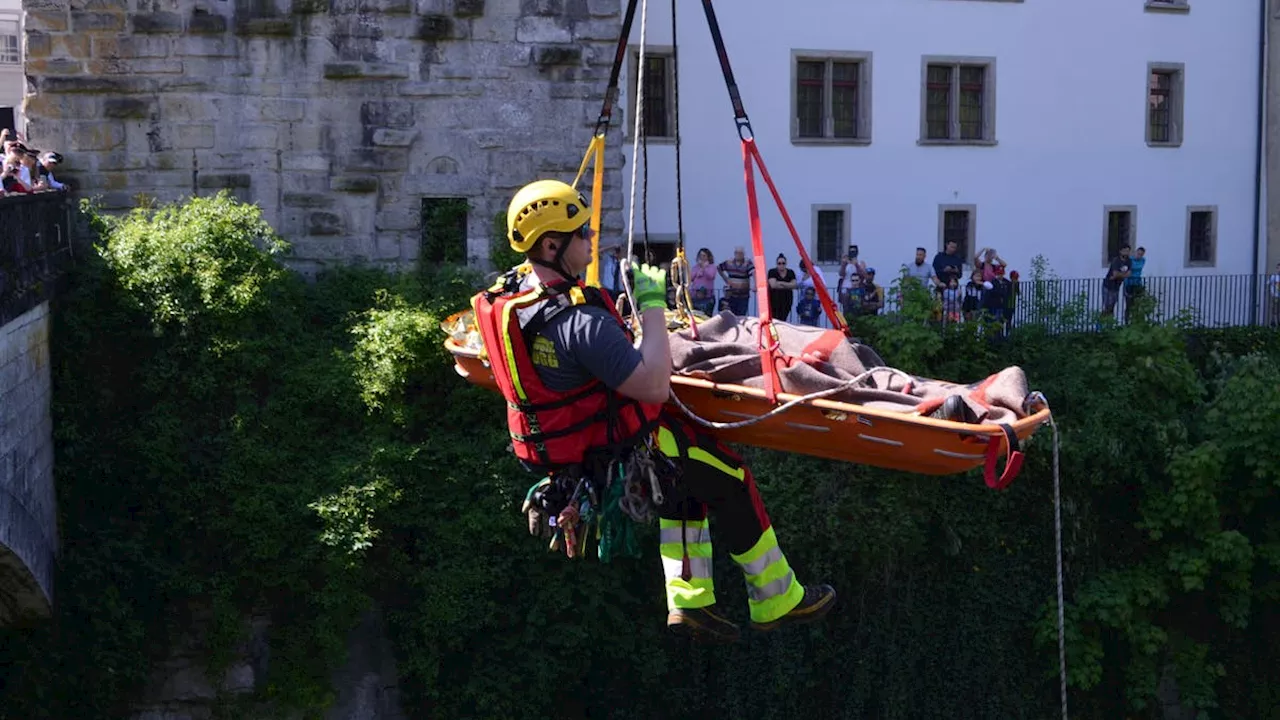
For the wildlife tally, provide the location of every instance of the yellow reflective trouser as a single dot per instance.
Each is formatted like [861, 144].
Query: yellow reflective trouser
[713, 477]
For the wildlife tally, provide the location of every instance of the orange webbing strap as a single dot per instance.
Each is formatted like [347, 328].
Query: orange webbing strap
[1013, 459]
[837, 320]
[595, 154]
[767, 339]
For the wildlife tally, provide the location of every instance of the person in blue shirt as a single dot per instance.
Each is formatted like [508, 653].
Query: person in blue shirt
[809, 309]
[1133, 287]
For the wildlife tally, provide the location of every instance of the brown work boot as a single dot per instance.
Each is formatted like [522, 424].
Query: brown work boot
[816, 603]
[702, 624]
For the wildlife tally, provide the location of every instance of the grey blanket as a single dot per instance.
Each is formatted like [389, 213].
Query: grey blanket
[726, 352]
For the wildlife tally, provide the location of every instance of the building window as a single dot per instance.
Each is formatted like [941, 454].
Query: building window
[1119, 228]
[830, 97]
[10, 43]
[1202, 236]
[444, 230]
[958, 101]
[659, 121]
[1180, 6]
[831, 231]
[957, 223]
[1165, 94]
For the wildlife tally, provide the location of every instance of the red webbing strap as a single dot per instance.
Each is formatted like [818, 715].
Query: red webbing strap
[766, 340]
[829, 306]
[1013, 461]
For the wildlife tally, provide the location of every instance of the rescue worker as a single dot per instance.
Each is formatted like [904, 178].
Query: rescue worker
[578, 389]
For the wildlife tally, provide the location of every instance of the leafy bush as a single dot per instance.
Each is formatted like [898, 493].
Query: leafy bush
[234, 439]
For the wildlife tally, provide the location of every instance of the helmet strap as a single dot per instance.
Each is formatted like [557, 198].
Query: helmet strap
[557, 262]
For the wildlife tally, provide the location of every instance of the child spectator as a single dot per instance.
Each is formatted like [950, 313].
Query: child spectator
[809, 309]
[951, 304]
[973, 291]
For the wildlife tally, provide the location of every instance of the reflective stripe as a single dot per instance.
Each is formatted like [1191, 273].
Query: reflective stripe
[762, 563]
[668, 446]
[772, 588]
[507, 308]
[699, 567]
[696, 531]
[690, 594]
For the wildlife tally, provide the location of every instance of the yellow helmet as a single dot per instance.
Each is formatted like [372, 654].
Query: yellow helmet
[544, 206]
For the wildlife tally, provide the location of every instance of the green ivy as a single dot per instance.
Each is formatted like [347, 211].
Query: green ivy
[233, 440]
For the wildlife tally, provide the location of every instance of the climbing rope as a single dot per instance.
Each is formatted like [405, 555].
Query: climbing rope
[1057, 536]
[625, 265]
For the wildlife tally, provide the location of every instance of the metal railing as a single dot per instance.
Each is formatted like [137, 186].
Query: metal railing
[35, 249]
[1077, 304]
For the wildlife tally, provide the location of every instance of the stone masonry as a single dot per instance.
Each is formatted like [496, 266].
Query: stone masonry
[28, 513]
[337, 117]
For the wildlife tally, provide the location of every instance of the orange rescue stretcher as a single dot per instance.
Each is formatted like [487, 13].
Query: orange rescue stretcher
[830, 429]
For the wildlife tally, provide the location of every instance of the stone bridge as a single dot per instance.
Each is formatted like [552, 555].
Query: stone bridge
[35, 249]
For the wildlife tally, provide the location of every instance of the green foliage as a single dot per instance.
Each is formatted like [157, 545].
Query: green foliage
[501, 255]
[233, 440]
[444, 231]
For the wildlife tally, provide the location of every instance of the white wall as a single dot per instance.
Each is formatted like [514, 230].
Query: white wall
[1071, 82]
[12, 79]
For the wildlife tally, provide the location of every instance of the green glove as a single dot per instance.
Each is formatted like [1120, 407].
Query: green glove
[650, 288]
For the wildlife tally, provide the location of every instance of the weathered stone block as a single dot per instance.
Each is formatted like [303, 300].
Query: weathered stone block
[387, 137]
[186, 109]
[468, 8]
[435, 27]
[276, 109]
[396, 7]
[97, 136]
[95, 85]
[192, 137]
[47, 20]
[368, 70]
[604, 8]
[307, 200]
[597, 30]
[170, 160]
[325, 223]
[309, 7]
[96, 21]
[440, 88]
[39, 45]
[376, 160]
[153, 66]
[122, 108]
[131, 47]
[542, 30]
[160, 22]
[206, 24]
[541, 8]
[266, 27]
[546, 56]
[397, 220]
[291, 163]
[111, 5]
[257, 137]
[204, 46]
[354, 183]
[387, 113]
[229, 181]
[55, 66]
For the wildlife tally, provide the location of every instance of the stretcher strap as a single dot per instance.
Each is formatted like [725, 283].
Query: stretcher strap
[595, 156]
[1013, 459]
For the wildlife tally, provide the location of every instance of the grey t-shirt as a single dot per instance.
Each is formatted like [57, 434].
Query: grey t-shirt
[582, 343]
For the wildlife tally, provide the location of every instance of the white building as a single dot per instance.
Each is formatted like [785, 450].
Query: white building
[12, 79]
[1053, 128]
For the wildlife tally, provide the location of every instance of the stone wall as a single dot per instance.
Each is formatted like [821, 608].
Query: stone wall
[28, 517]
[336, 116]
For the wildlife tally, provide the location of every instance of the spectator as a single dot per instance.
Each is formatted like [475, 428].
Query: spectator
[809, 309]
[849, 285]
[951, 302]
[702, 282]
[1274, 282]
[987, 260]
[1117, 272]
[1011, 300]
[872, 295]
[1133, 287]
[782, 289]
[948, 265]
[923, 272]
[973, 294]
[48, 161]
[737, 274]
[809, 270]
[996, 298]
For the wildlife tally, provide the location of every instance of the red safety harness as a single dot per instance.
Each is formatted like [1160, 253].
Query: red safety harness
[551, 429]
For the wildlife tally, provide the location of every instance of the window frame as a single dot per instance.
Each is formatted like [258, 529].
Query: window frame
[633, 63]
[16, 19]
[846, 229]
[1177, 95]
[1212, 262]
[966, 254]
[988, 64]
[1168, 6]
[864, 59]
[1106, 229]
